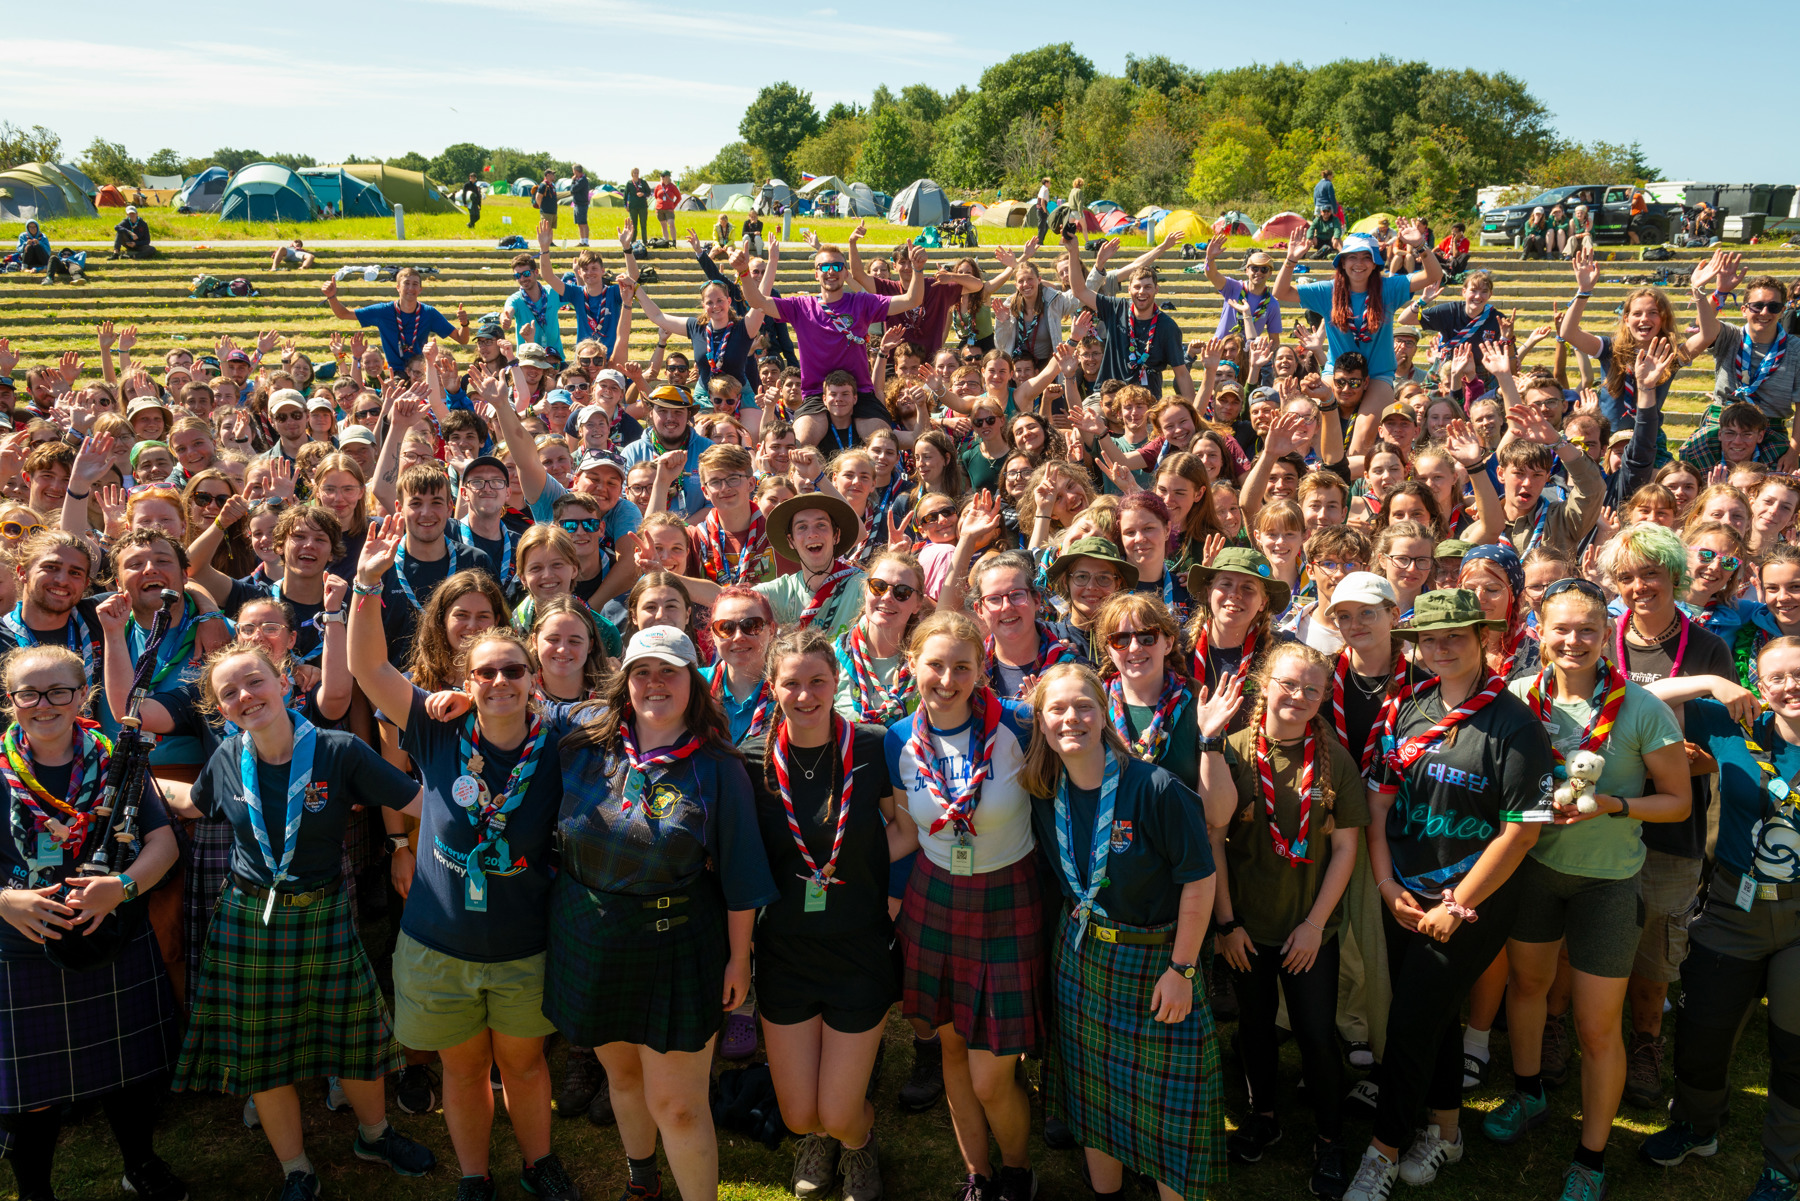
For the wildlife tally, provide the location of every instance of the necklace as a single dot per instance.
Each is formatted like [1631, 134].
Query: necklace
[810, 772]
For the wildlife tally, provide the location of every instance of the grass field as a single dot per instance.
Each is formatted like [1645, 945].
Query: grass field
[204, 1139]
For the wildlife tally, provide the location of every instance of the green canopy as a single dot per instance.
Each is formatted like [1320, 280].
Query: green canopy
[400, 186]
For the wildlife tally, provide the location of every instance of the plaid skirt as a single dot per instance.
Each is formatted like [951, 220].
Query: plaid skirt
[69, 1035]
[612, 977]
[289, 1001]
[1147, 1093]
[208, 866]
[974, 948]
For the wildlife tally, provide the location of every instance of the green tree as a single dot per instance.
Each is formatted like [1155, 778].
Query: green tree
[1378, 98]
[895, 151]
[165, 162]
[1089, 144]
[843, 112]
[962, 152]
[778, 120]
[1160, 73]
[1591, 162]
[412, 160]
[1289, 165]
[37, 145]
[294, 162]
[833, 150]
[1501, 122]
[456, 163]
[1031, 82]
[1271, 94]
[236, 160]
[1027, 155]
[510, 164]
[1227, 170]
[923, 102]
[1437, 174]
[1358, 187]
[731, 165]
[109, 162]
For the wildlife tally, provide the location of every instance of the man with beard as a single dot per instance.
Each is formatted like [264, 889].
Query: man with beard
[405, 325]
[307, 538]
[1141, 340]
[55, 569]
[669, 432]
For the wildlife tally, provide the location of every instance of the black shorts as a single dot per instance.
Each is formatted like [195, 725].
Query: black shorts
[849, 980]
[868, 405]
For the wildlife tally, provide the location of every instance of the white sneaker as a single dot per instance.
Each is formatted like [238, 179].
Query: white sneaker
[1428, 1153]
[1374, 1178]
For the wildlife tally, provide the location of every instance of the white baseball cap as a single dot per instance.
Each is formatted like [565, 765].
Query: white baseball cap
[666, 643]
[356, 433]
[283, 397]
[1363, 588]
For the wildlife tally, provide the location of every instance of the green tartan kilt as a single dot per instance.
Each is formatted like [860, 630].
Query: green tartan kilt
[290, 1001]
[1147, 1093]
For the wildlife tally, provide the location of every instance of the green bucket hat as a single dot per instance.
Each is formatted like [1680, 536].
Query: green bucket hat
[1092, 548]
[1446, 609]
[1451, 548]
[1242, 561]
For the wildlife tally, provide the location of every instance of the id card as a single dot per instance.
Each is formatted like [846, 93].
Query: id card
[474, 896]
[962, 858]
[634, 788]
[815, 897]
[1746, 893]
[47, 852]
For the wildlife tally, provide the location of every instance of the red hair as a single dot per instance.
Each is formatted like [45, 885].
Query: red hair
[746, 593]
[1373, 315]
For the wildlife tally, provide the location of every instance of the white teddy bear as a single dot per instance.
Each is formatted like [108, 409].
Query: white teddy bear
[1578, 790]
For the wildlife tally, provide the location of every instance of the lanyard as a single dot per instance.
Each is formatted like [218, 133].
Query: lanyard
[1087, 899]
[959, 811]
[507, 537]
[489, 818]
[827, 875]
[875, 703]
[1293, 850]
[26, 636]
[1609, 698]
[1680, 648]
[1137, 355]
[299, 781]
[1148, 745]
[400, 570]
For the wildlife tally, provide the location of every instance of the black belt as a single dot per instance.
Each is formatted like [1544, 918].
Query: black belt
[1131, 938]
[1727, 882]
[663, 925]
[296, 900]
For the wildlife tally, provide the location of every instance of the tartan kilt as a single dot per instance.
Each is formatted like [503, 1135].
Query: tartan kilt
[974, 948]
[610, 977]
[208, 867]
[1147, 1093]
[289, 1001]
[65, 1036]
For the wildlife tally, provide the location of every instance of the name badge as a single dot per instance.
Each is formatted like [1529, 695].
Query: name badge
[474, 896]
[634, 788]
[1746, 893]
[47, 852]
[815, 897]
[962, 858]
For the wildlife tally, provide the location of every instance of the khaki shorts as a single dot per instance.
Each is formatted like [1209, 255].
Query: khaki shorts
[441, 1001]
[1670, 886]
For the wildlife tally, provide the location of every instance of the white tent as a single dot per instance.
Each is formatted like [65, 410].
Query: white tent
[775, 192]
[822, 183]
[863, 202]
[163, 183]
[718, 195]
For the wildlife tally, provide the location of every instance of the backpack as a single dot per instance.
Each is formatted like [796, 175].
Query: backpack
[1656, 254]
[515, 242]
[204, 286]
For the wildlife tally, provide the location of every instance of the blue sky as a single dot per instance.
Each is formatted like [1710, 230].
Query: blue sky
[623, 83]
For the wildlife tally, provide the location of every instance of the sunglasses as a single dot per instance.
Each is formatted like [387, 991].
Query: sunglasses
[902, 592]
[830, 268]
[1762, 306]
[1729, 562]
[1573, 584]
[18, 529]
[982, 423]
[588, 360]
[361, 413]
[202, 500]
[749, 627]
[1256, 270]
[512, 671]
[1125, 639]
[939, 515]
[588, 525]
[523, 274]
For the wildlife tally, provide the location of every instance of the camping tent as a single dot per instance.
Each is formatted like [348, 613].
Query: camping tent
[350, 196]
[691, 204]
[1003, 213]
[863, 201]
[1367, 224]
[109, 197]
[79, 178]
[268, 192]
[596, 199]
[1104, 206]
[1234, 222]
[1280, 226]
[717, 195]
[203, 192]
[920, 202]
[1114, 222]
[741, 203]
[773, 193]
[1185, 222]
[821, 184]
[75, 200]
[28, 196]
[162, 183]
[400, 186]
[522, 186]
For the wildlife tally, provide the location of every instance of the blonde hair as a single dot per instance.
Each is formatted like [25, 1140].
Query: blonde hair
[1042, 771]
[1321, 731]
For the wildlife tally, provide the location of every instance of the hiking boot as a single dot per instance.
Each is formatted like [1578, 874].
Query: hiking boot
[300, 1186]
[154, 1180]
[1554, 1062]
[637, 1192]
[815, 1166]
[860, 1172]
[739, 1038]
[1374, 1178]
[926, 1084]
[1582, 1183]
[547, 1179]
[1675, 1142]
[1517, 1116]
[1017, 1184]
[1772, 1186]
[1057, 1135]
[396, 1151]
[1330, 1175]
[1257, 1134]
[1428, 1153]
[476, 1188]
[412, 1091]
[600, 1109]
[1643, 1072]
[582, 1078]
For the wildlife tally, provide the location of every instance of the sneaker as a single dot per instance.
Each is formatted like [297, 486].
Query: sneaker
[815, 1166]
[412, 1091]
[860, 1172]
[1643, 1072]
[252, 1119]
[1374, 1178]
[1428, 1153]
[1257, 1134]
[476, 1188]
[583, 1077]
[739, 1039]
[335, 1098]
[1772, 1186]
[1361, 1056]
[637, 1192]
[397, 1152]
[1017, 1184]
[300, 1186]
[1362, 1098]
[1474, 1069]
[1582, 1183]
[1553, 1065]
[1517, 1116]
[976, 1188]
[1675, 1142]
[926, 1084]
[1330, 1175]
[546, 1179]
[153, 1180]
[1057, 1135]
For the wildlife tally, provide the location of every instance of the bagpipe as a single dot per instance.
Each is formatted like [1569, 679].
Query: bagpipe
[108, 842]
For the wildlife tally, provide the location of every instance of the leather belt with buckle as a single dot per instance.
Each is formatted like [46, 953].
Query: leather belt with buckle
[287, 900]
[1132, 938]
[663, 925]
[1728, 884]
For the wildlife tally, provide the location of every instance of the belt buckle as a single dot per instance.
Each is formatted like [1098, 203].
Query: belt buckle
[661, 926]
[663, 902]
[1768, 892]
[300, 900]
[1106, 934]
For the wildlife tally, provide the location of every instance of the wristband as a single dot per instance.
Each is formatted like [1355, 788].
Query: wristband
[129, 885]
[1465, 912]
[78, 495]
[1624, 808]
[361, 589]
[209, 615]
[1584, 295]
[397, 842]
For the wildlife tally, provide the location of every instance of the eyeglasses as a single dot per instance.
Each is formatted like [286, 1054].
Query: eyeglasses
[1093, 579]
[487, 485]
[829, 268]
[1574, 583]
[982, 423]
[1344, 568]
[1295, 688]
[735, 480]
[18, 529]
[1017, 598]
[587, 525]
[1782, 681]
[1125, 639]
[27, 698]
[262, 627]
[1410, 562]
[202, 500]
[902, 592]
[749, 627]
[512, 671]
[1762, 306]
[1729, 562]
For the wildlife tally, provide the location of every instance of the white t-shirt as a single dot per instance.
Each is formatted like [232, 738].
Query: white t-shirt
[1002, 817]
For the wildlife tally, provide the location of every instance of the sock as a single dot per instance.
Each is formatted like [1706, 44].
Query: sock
[932, 1039]
[644, 1174]
[375, 1133]
[297, 1164]
[1592, 1160]
[1532, 1086]
[1475, 1042]
[132, 1113]
[33, 1149]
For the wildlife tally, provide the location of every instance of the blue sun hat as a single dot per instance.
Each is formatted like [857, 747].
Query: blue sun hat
[1364, 244]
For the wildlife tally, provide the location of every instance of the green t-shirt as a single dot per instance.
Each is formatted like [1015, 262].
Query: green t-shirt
[984, 473]
[1605, 848]
[1267, 894]
[788, 596]
[1180, 755]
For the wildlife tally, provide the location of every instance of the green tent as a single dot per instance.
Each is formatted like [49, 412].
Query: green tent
[741, 203]
[29, 196]
[47, 175]
[268, 192]
[400, 186]
[349, 195]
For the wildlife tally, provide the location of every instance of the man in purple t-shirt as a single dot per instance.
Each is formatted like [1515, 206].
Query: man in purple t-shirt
[832, 334]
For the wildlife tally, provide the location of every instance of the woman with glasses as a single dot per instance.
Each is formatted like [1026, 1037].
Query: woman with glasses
[981, 462]
[1581, 879]
[1088, 572]
[17, 523]
[874, 682]
[825, 972]
[1717, 558]
[1020, 643]
[205, 497]
[1404, 557]
[743, 626]
[78, 1036]
[1297, 804]
[1150, 699]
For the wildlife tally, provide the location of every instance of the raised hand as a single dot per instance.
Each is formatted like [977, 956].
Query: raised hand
[328, 289]
[1084, 325]
[337, 344]
[234, 510]
[379, 549]
[1216, 709]
[1587, 401]
[1006, 257]
[1531, 425]
[1653, 359]
[1718, 475]
[1462, 361]
[267, 340]
[1464, 444]
[1412, 231]
[114, 613]
[8, 357]
[281, 477]
[1587, 272]
[448, 706]
[70, 367]
[112, 507]
[1209, 549]
[1496, 358]
[1104, 255]
[546, 237]
[92, 460]
[105, 334]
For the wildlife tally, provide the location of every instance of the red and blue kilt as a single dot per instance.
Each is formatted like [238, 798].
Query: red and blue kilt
[974, 949]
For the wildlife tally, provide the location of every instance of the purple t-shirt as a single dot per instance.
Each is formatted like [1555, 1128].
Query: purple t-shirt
[832, 337]
[1265, 311]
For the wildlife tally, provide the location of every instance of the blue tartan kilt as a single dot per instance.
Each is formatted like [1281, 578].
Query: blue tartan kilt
[208, 866]
[1145, 1092]
[65, 1036]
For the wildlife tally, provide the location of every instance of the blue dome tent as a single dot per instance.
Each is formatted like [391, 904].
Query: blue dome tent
[268, 192]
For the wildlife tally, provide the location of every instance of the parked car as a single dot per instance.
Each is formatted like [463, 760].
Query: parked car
[1608, 204]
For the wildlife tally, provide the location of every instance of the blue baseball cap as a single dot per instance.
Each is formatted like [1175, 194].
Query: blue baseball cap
[558, 396]
[1362, 244]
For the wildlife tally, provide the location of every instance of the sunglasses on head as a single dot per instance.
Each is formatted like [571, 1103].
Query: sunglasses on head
[749, 627]
[1706, 557]
[589, 525]
[512, 671]
[902, 592]
[1575, 584]
[1124, 639]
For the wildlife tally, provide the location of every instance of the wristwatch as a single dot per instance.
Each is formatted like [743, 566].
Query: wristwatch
[397, 842]
[1184, 970]
[1211, 745]
[336, 616]
[1624, 808]
[129, 885]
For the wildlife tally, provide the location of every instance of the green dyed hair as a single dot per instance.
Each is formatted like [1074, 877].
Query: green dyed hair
[1647, 544]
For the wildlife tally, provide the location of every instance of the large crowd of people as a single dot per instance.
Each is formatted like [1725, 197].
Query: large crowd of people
[985, 645]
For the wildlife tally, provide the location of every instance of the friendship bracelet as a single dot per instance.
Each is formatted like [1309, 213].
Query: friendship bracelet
[1313, 924]
[361, 589]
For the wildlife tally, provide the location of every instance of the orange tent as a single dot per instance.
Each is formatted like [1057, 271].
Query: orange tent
[109, 197]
